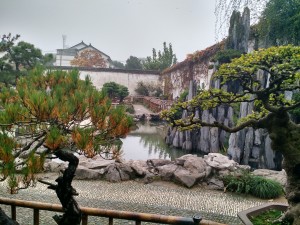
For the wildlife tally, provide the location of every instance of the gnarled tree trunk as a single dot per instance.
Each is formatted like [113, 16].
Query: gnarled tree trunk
[65, 192]
[285, 136]
[5, 220]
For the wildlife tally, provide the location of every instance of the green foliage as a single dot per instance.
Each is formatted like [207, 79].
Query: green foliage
[249, 184]
[133, 63]
[296, 112]
[57, 110]
[129, 108]
[161, 60]
[48, 60]
[226, 56]
[183, 95]
[142, 89]
[236, 112]
[19, 58]
[25, 54]
[118, 65]
[268, 217]
[114, 90]
[282, 63]
[148, 89]
[239, 183]
[280, 22]
[265, 188]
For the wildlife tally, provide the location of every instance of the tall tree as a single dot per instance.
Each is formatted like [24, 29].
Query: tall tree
[280, 22]
[161, 60]
[64, 114]
[26, 55]
[18, 58]
[133, 63]
[89, 58]
[271, 110]
[118, 65]
[8, 75]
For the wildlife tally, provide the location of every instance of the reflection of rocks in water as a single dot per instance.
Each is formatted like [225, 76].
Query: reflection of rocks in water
[148, 138]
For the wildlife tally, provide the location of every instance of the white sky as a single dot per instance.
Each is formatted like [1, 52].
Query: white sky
[119, 28]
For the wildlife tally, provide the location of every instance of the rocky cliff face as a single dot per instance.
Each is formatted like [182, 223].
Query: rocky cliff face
[248, 146]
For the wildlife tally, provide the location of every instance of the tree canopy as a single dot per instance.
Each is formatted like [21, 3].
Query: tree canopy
[114, 90]
[148, 89]
[58, 111]
[19, 58]
[133, 63]
[280, 22]
[26, 55]
[118, 65]
[89, 58]
[161, 60]
[271, 108]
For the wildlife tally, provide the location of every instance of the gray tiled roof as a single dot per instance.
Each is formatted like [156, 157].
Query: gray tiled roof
[72, 51]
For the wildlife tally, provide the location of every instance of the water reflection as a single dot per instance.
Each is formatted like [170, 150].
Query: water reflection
[147, 142]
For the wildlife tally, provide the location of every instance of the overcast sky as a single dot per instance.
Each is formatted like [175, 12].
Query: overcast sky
[119, 28]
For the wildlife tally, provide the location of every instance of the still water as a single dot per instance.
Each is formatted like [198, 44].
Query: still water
[147, 142]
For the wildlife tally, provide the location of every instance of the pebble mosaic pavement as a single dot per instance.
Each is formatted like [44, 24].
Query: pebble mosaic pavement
[157, 197]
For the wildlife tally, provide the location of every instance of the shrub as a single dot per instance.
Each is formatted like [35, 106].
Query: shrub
[248, 184]
[130, 108]
[265, 188]
[226, 56]
[238, 183]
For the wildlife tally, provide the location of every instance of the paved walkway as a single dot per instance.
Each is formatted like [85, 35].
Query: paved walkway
[158, 197]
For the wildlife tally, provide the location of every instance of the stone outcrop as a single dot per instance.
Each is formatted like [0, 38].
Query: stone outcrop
[239, 31]
[248, 146]
[188, 170]
[279, 176]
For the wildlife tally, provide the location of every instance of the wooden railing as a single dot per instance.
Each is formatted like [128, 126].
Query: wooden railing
[110, 214]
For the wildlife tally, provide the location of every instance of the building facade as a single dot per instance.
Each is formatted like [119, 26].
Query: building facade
[65, 56]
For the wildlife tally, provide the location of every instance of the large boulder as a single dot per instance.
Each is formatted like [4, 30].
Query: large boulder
[186, 177]
[215, 184]
[279, 176]
[94, 163]
[119, 172]
[166, 172]
[139, 167]
[220, 162]
[190, 170]
[194, 164]
[83, 173]
[158, 162]
[52, 166]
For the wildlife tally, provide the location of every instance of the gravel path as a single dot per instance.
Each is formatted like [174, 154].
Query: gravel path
[158, 197]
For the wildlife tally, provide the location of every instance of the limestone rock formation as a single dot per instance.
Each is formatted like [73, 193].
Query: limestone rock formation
[188, 170]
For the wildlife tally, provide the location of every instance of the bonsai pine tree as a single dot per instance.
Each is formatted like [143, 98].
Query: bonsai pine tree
[271, 111]
[55, 113]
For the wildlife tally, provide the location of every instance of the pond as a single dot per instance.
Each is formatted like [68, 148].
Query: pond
[147, 142]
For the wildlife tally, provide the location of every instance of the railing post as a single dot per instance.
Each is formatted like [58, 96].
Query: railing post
[13, 212]
[197, 219]
[138, 222]
[84, 219]
[110, 221]
[36, 217]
